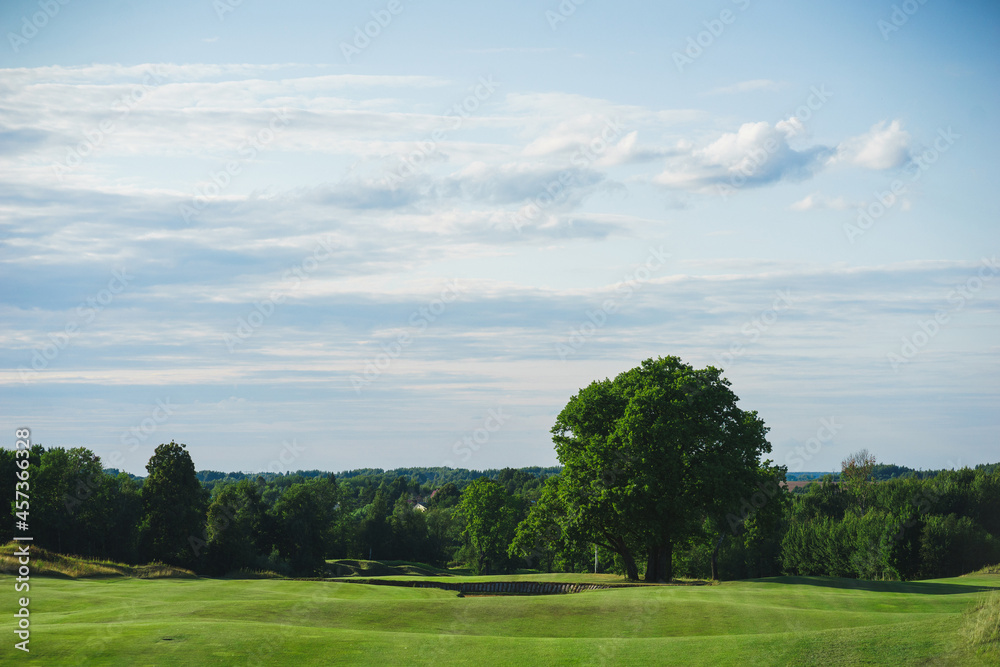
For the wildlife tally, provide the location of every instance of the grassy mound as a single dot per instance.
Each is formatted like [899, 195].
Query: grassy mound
[254, 574]
[347, 567]
[982, 624]
[45, 563]
[989, 569]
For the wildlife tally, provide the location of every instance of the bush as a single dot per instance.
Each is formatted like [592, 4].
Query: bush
[952, 545]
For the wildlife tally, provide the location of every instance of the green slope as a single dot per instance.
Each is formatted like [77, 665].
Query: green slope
[779, 621]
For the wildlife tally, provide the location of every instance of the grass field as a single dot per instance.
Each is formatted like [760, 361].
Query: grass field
[781, 621]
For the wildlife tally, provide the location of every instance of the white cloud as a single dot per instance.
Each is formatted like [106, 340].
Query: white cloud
[755, 155]
[882, 147]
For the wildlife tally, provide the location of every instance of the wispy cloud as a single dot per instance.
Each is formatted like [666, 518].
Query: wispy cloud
[816, 201]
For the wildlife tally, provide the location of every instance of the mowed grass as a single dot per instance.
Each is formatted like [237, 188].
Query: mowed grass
[780, 621]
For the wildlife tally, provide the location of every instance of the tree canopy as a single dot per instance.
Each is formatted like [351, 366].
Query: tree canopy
[174, 505]
[491, 516]
[650, 455]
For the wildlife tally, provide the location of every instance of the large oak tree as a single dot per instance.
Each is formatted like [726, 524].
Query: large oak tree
[648, 455]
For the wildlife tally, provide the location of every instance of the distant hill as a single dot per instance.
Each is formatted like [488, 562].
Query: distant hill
[438, 476]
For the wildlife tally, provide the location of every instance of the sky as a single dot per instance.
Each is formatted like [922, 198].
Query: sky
[309, 235]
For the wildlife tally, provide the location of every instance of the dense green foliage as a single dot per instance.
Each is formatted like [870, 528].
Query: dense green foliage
[904, 528]
[910, 528]
[290, 524]
[491, 516]
[653, 455]
[173, 507]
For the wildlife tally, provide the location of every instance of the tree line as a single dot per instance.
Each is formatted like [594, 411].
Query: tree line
[218, 523]
[500, 521]
[662, 476]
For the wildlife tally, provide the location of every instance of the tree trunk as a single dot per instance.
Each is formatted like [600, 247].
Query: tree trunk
[617, 544]
[631, 569]
[654, 571]
[715, 557]
[659, 563]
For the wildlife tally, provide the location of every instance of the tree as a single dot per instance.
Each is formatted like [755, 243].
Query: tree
[305, 515]
[237, 528]
[648, 455]
[66, 515]
[173, 504]
[446, 496]
[547, 539]
[539, 537]
[759, 516]
[375, 531]
[491, 516]
[409, 532]
[856, 474]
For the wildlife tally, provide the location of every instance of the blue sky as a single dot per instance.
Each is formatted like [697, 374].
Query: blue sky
[255, 229]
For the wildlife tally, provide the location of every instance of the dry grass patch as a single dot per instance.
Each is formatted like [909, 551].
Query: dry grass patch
[47, 563]
[989, 569]
[982, 624]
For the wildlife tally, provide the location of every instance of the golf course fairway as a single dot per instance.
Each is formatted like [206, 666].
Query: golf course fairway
[778, 621]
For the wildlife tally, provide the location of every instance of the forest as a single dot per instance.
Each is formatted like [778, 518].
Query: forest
[915, 526]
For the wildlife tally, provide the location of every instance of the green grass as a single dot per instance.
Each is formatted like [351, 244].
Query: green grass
[779, 621]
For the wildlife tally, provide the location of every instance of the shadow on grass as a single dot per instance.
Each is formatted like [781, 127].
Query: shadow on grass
[909, 587]
[348, 567]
